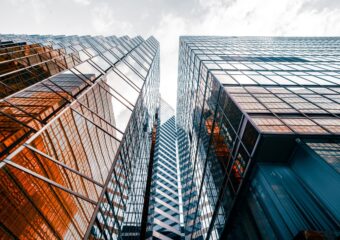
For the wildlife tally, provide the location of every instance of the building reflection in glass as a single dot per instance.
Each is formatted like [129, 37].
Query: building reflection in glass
[66, 116]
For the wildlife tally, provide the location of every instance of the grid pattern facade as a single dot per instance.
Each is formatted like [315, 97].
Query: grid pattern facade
[164, 211]
[71, 109]
[245, 101]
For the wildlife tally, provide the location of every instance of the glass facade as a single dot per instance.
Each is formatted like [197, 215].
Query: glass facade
[246, 107]
[164, 207]
[76, 117]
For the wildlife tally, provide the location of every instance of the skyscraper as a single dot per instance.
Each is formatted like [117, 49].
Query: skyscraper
[164, 206]
[259, 129]
[76, 118]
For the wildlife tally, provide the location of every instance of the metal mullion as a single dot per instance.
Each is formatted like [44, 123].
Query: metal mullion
[333, 114]
[206, 160]
[98, 117]
[246, 178]
[25, 113]
[118, 184]
[219, 201]
[113, 213]
[117, 94]
[303, 114]
[104, 136]
[123, 54]
[45, 85]
[137, 61]
[145, 56]
[93, 101]
[10, 233]
[30, 172]
[141, 57]
[133, 68]
[16, 120]
[106, 106]
[95, 65]
[85, 153]
[115, 55]
[87, 52]
[100, 147]
[195, 161]
[30, 200]
[123, 44]
[59, 64]
[28, 67]
[127, 80]
[80, 102]
[153, 48]
[19, 58]
[60, 132]
[199, 136]
[92, 146]
[123, 165]
[56, 195]
[60, 114]
[278, 117]
[21, 49]
[75, 59]
[112, 169]
[7, 150]
[127, 163]
[92, 46]
[104, 224]
[248, 116]
[61, 164]
[7, 87]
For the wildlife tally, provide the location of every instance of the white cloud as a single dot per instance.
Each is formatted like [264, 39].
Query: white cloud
[31, 9]
[170, 28]
[83, 2]
[104, 22]
[167, 20]
[239, 18]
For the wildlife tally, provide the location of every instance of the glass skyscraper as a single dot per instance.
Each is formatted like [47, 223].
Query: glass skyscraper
[89, 150]
[164, 206]
[76, 120]
[259, 137]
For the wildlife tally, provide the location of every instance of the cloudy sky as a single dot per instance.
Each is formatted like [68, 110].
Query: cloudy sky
[168, 19]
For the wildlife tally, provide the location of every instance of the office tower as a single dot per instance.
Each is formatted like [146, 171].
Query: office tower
[76, 117]
[259, 129]
[164, 205]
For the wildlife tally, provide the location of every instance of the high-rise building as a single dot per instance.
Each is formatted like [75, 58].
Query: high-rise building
[76, 120]
[259, 137]
[164, 206]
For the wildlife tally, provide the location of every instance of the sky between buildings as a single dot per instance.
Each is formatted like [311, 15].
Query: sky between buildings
[169, 19]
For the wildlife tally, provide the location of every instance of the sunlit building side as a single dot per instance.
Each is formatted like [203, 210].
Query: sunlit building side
[76, 117]
[164, 206]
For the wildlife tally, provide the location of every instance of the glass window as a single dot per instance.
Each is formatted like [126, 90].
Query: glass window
[130, 74]
[122, 87]
[225, 79]
[300, 80]
[249, 137]
[281, 80]
[262, 80]
[110, 57]
[99, 61]
[88, 71]
[318, 80]
[243, 79]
